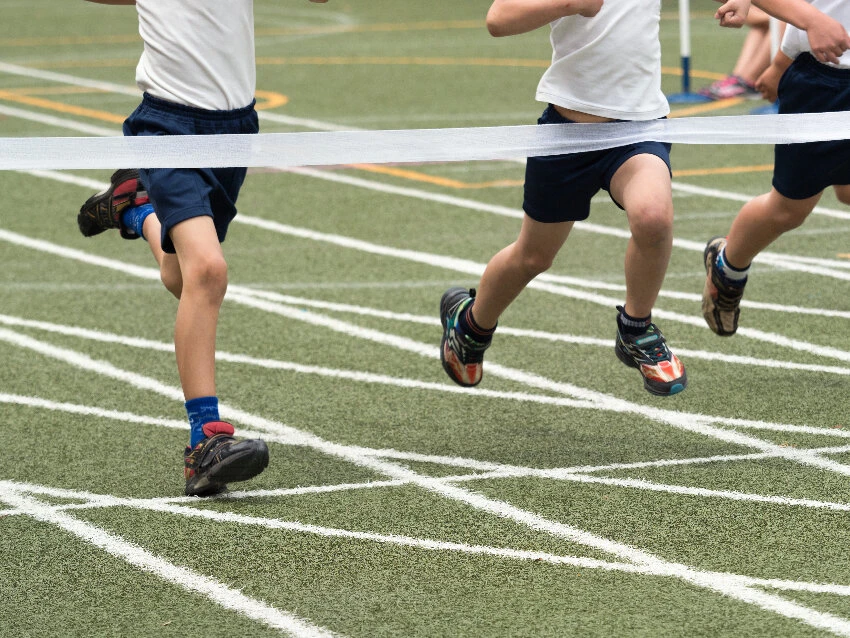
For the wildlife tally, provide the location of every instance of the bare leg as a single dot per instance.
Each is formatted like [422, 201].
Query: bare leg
[761, 221]
[512, 268]
[204, 277]
[169, 267]
[642, 187]
[754, 57]
[842, 192]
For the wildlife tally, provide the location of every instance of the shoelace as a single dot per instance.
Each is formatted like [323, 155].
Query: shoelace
[658, 350]
[470, 350]
[728, 297]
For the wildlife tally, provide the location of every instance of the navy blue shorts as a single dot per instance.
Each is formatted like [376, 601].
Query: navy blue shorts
[178, 194]
[804, 170]
[558, 188]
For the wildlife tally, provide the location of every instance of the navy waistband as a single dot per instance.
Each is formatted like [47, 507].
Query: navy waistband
[194, 112]
[808, 61]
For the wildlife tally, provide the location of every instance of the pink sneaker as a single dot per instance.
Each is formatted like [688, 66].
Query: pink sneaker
[729, 87]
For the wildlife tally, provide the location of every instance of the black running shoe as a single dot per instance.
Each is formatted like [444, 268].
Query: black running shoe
[663, 374]
[103, 210]
[462, 357]
[721, 301]
[221, 459]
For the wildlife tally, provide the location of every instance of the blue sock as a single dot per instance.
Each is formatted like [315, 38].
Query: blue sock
[732, 275]
[201, 411]
[134, 218]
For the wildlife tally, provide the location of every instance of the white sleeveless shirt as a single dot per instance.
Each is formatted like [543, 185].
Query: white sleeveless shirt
[796, 41]
[608, 65]
[198, 53]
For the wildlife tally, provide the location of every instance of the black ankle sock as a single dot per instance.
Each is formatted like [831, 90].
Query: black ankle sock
[468, 325]
[632, 325]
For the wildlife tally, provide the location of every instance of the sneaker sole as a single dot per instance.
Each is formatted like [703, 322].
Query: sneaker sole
[450, 297]
[656, 388]
[708, 255]
[88, 227]
[240, 466]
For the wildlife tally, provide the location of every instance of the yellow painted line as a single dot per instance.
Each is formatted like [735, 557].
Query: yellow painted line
[327, 29]
[708, 107]
[363, 60]
[403, 61]
[55, 90]
[270, 100]
[69, 40]
[265, 100]
[62, 108]
[388, 27]
[726, 170]
[843, 255]
[695, 73]
[100, 63]
[416, 176]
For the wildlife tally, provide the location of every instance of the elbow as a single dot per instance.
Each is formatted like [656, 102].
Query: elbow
[496, 26]
[496, 29]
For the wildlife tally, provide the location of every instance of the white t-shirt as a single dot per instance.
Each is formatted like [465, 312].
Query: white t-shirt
[796, 41]
[198, 53]
[608, 65]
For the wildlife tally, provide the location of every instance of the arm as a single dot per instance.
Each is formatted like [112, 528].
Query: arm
[733, 13]
[511, 17]
[827, 37]
[768, 82]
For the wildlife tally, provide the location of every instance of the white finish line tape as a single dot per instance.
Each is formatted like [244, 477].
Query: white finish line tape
[407, 146]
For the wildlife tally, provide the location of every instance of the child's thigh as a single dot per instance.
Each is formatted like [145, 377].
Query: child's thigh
[642, 184]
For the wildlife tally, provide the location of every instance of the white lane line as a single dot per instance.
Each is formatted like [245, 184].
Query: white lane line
[184, 577]
[309, 123]
[548, 336]
[540, 283]
[763, 600]
[402, 317]
[724, 585]
[365, 377]
[160, 505]
[693, 423]
[489, 469]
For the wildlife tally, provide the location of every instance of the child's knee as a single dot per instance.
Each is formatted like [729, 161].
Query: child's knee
[172, 278]
[843, 194]
[652, 223]
[536, 263]
[208, 275]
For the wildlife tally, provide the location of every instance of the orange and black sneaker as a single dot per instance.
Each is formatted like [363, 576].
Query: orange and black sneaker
[103, 210]
[462, 356]
[663, 374]
[220, 459]
[721, 299]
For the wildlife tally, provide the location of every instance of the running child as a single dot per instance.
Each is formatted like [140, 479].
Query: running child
[198, 76]
[606, 66]
[810, 74]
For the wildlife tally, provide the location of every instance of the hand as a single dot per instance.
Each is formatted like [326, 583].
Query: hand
[733, 13]
[768, 82]
[827, 39]
[591, 8]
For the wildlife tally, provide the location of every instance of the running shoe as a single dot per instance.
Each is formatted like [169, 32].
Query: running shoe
[729, 87]
[721, 301]
[462, 357]
[663, 374]
[104, 210]
[220, 459]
